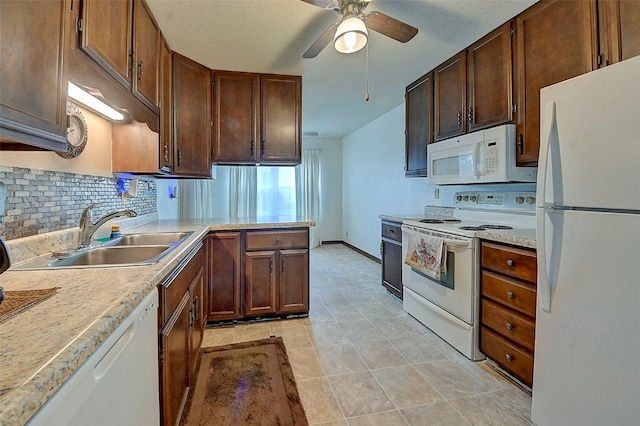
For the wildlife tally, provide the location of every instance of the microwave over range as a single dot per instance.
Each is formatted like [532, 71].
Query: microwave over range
[485, 156]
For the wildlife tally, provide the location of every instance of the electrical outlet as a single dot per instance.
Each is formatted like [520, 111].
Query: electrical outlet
[436, 193]
[347, 233]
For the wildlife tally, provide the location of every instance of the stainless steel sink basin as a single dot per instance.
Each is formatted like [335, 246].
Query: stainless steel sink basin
[148, 239]
[112, 256]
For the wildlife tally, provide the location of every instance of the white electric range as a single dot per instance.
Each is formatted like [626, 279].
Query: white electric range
[450, 306]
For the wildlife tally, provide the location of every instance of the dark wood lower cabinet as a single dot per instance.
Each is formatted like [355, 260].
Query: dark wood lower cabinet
[256, 273]
[391, 254]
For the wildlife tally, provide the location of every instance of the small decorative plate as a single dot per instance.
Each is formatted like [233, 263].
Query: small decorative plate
[76, 133]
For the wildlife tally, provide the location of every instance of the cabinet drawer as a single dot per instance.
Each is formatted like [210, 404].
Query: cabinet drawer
[392, 231]
[512, 261]
[508, 323]
[261, 240]
[508, 292]
[514, 360]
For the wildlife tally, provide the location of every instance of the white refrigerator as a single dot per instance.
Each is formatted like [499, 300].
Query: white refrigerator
[587, 344]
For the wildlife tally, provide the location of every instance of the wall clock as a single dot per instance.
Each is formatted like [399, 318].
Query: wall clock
[76, 133]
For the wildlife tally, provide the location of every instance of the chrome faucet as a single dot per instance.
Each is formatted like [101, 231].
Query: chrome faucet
[87, 229]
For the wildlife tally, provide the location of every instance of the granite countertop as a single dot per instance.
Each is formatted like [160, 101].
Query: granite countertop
[44, 345]
[519, 237]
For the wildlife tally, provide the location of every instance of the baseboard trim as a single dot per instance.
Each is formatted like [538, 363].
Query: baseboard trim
[354, 248]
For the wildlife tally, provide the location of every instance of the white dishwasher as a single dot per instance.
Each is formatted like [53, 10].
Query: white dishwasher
[118, 384]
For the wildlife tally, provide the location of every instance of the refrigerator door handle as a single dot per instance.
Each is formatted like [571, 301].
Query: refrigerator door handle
[550, 130]
[544, 288]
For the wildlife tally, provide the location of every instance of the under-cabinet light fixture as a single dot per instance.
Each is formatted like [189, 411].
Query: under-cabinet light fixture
[94, 103]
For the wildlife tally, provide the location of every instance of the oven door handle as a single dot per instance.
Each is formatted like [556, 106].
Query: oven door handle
[448, 241]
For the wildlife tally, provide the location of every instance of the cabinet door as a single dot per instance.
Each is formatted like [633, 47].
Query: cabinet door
[196, 294]
[236, 109]
[146, 56]
[619, 22]
[33, 90]
[490, 75]
[281, 99]
[293, 291]
[174, 362]
[166, 111]
[556, 40]
[260, 283]
[106, 36]
[450, 93]
[223, 284]
[418, 125]
[192, 117]
[392, 267]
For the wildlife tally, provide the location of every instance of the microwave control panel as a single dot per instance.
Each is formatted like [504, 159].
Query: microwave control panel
[508, 199]
[491, 160]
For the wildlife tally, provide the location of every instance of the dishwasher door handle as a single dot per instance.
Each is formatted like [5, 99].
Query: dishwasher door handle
[103, 366]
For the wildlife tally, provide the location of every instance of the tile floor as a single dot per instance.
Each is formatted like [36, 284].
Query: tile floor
[359, 359]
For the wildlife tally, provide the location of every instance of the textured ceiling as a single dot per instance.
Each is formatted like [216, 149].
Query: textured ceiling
[270, 36]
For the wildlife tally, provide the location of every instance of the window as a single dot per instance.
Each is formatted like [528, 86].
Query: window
[276, 191]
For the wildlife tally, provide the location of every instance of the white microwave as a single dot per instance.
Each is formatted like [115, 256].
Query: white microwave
[485, 156]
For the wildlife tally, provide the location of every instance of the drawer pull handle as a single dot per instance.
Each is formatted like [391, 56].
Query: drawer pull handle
[510, 326]
[509, 357]
[510, 295]
[510, 262]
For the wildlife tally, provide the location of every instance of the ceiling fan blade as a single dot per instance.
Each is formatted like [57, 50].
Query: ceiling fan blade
[321, 42]
[320, 3]
[391, 27]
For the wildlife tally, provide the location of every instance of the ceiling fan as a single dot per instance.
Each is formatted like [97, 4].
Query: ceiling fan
[350, 34]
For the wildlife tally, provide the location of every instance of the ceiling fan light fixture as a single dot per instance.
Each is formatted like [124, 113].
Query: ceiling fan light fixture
[351, 35]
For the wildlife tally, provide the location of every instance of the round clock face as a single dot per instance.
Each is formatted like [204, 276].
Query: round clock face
[76, 133]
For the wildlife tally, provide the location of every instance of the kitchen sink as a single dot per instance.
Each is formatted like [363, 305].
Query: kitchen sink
[127, 250]
[112, 256]
[148, 239]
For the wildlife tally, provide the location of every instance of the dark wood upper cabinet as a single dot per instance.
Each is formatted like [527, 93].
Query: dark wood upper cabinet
[191, 117]
[166, 110]
[490, 80]
[555, 41]
[236, 110]
[257, 118]
[280, 117]
[619, 23]
[147, 44]
[123, 38]
[106, 34]
[418, 125]
[33, 82]
[450, 97]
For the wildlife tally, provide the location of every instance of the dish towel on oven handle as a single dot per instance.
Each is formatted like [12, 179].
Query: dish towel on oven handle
[427, 254]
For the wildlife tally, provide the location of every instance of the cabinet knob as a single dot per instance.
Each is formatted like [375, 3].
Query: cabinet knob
[509, 357]
[510, 295]
[510, 262]
[509, 326]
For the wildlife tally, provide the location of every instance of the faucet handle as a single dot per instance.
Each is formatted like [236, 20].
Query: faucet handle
[87, 212]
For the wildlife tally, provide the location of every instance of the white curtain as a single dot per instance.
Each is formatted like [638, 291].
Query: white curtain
[243, 190]
[195, 198]
[308, 191]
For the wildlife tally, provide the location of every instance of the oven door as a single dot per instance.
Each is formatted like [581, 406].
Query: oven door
[456, 291]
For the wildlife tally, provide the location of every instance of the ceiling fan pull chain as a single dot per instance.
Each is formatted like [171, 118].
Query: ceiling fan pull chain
[366, 95]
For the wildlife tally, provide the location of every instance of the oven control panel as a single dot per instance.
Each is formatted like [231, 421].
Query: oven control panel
[507, 200]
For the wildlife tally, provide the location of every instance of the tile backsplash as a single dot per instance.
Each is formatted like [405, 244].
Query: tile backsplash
[41, 201]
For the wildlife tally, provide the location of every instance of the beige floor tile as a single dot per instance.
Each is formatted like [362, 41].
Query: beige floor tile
[436, 414]
[294, 337]
[374, 310]
[217, 336]
[518, 399]
[305, 363]
[487, 376]
[340, 359]
[359, 394]
[379, 354]
[392, 328]
[318, 400]
[334, 299]
[360, 331]
[487, 409]
[387, 418]
[326, 333]
[246, 333]
[345, 313]
[405, 387]
[449, 379]
[341, 422]
[417, 349]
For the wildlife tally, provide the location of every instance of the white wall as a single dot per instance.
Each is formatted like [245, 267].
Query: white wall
[95, 160]
[330, 223]
[373, 181]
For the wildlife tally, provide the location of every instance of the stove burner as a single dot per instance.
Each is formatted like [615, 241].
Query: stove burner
[447, 220]
[451, 220]
[472, 228]
[484, 227]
